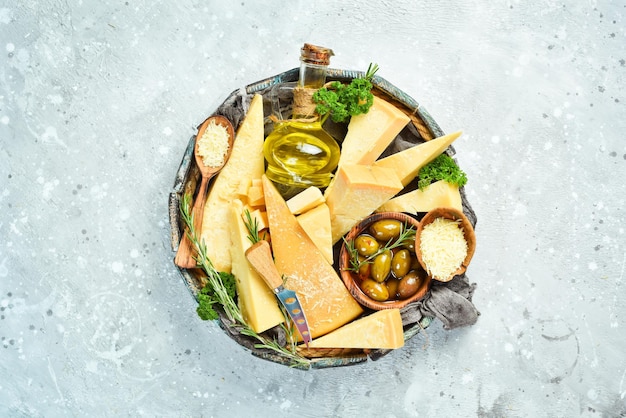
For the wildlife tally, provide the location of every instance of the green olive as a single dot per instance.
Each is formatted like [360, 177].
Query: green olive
[375, 290]
[410, 245]
[392, 286]
[401, 263]
[381, 266]
[410, 284]
[364, 269]
[415, 264]
[366, 245]
[386, 229]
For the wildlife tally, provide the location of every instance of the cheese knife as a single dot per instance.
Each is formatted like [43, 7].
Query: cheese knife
[260, 257]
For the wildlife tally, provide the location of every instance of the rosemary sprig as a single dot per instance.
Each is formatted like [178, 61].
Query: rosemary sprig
[223, 297]
[253, 228]
[407, 234]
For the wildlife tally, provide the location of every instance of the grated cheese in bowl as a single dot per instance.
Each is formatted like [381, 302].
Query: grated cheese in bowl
[213, 145]
[443, 247]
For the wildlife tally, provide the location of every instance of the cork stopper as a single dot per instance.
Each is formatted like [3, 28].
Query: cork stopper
[314, 54]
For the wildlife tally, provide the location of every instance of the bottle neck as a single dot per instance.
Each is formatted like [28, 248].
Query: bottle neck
[312, 76]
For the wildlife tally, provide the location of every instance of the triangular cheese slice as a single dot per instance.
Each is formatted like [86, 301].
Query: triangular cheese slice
[326, 302]
[357, 191]
[245, 163]
[382, 329]
[370, 133]
[439, 194]
[409, 162]
[258, 303]
[316, 223]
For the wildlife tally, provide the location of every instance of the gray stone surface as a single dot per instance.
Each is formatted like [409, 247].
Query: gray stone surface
[98, 100]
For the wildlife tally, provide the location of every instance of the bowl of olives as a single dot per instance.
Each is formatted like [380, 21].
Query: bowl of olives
[378, 263]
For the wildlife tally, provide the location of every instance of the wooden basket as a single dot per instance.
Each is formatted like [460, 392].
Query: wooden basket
[422, 128]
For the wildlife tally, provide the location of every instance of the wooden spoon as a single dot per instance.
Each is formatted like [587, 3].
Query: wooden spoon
[186, 251]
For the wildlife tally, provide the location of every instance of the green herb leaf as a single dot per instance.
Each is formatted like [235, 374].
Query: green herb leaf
[342, 101]
[441, 168]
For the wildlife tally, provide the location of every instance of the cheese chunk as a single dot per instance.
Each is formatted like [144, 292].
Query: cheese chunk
[245, 163]
[258, 215]
[255, 196]
[242, 189]
[382, 329]
[370, 133]
[305, 200]
[357, 191]
[257, 301]
[316, 223]
[439, 194]
[325, 300]
[409, 162]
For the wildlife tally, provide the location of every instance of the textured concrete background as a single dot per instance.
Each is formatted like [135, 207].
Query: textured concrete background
[98, 101]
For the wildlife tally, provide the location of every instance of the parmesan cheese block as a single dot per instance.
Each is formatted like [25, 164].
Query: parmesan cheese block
[305, 200]
[357, 191]
[370, 133]
[325, 300]
[245, 163]
[439, 194]
[257, 301]
[316, 223]
[409, 162]
[382, 329]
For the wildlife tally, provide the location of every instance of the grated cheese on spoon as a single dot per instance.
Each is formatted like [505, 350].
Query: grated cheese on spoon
[213, 145]
[443, 247]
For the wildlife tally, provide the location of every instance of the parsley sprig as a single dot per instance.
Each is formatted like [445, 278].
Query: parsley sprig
[441, 168]
[220, 289]
[341, 101]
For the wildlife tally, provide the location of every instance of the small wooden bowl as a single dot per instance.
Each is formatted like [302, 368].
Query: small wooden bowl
[351, 280]
[468, 233]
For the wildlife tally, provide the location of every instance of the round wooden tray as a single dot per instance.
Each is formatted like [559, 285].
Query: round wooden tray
[421, 128]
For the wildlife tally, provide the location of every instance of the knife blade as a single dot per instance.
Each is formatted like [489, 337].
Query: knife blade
[259, 256]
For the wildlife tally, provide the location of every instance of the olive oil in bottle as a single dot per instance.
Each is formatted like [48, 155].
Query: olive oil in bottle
[299, 152]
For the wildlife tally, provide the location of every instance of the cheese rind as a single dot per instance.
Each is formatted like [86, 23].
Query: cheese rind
[409, 162]
[325, 300]
[439, 194]
[382, 329]
[370, 133]
[305, 200]
[256, 300]
[245, 163]
[357, 191]
[316, 223]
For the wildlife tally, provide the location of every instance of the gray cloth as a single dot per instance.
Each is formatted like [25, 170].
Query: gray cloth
[449, 302]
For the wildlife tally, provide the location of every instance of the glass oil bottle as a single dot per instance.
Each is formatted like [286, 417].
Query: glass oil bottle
[299, 152]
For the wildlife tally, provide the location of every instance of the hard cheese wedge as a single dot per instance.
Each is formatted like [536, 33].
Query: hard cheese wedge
[325, 300]
[409, 162]
[357, 191]
[305, 200]
[370, 133]
[245, 163]
[382, 329]
[439, 194]
[258, 303]
[316, 223]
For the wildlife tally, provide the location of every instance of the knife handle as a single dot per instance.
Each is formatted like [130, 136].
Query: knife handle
[260, 257]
